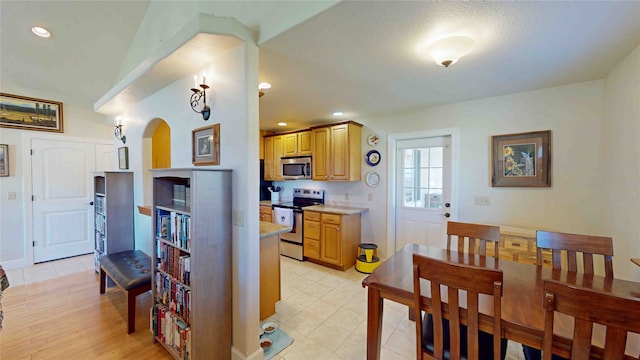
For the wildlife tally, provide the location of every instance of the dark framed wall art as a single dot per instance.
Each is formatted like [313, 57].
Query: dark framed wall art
[123, 158]
[521, 160]
[21, 112]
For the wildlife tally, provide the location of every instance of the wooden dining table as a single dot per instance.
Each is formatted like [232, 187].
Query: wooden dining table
[522, 311]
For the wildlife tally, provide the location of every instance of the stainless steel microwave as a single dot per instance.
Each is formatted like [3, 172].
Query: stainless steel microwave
[295, 168]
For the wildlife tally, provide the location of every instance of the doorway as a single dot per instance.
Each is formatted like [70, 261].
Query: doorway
[422, 187]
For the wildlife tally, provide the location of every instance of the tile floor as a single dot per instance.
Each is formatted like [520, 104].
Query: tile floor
[322, 309]
[325, 310]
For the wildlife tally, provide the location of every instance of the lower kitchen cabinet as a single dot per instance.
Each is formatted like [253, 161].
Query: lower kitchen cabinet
[266, 213]
[331, 239]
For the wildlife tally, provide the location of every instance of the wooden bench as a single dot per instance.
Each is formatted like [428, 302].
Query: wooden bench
[131, 272]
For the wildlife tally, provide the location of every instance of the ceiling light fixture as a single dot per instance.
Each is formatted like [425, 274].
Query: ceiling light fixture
[338, 113]
[447, 51]
[40, 31]
[263, 86]
[200, 94]
[282, 124]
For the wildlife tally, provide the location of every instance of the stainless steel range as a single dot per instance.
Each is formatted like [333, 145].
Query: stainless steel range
[291, 243]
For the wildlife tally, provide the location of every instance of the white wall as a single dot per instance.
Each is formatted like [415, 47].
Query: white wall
[621, 171]
[77, 122]
[234, 87]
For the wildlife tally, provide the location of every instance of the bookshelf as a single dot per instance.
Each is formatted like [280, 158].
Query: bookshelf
[191, 282]
[113, 213]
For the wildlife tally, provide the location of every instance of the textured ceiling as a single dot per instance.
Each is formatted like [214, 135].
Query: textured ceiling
[360, 57]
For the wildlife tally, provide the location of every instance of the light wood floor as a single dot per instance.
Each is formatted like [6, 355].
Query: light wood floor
[67, 318]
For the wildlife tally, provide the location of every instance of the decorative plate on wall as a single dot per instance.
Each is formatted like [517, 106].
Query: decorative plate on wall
[372, 179]
[372, 140]
[373, 158]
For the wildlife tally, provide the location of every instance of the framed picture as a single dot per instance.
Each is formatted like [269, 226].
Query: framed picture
[521, 160]
[21, 112]
[123, 158]
[4, 160]
[205, 145]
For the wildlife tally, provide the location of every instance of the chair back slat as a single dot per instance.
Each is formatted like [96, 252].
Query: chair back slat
[473, 281]
[572, 245]
[476, 235]
[587, 306]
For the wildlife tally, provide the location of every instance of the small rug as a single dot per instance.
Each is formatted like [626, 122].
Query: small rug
[280, 342]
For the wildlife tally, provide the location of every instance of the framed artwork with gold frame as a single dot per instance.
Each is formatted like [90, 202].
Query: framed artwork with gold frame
[205, 145]
[27, 113]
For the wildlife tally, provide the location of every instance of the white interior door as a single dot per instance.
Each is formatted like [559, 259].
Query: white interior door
[423, 191]
[62, 188]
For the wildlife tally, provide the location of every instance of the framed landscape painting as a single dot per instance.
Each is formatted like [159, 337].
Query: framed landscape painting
[21, 112]
[521, 160]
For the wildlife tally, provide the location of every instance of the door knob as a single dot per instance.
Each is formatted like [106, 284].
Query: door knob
[447, 205]
[446, 215]
[91, 203]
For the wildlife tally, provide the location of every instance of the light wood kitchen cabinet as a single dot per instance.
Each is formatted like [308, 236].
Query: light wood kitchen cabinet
[273, 150]
[297, 144]
[331, 239]
[266, 213]
[336, 152]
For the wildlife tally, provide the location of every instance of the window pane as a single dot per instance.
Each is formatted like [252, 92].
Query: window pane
[424, 157]
[408, 197]
[435, 156]
[424, 178]
[408, 159]
[435, 199]
[435, 178]
[408, 178]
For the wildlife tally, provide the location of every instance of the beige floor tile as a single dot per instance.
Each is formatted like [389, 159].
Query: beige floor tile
[304, 322]
[306, 349]
[353, 348]
[329, 335]
[402, 342]
[347, 319]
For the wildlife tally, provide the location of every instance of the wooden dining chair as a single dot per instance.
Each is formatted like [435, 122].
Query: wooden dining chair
[572, 245]
[477, 236]
[463, 334]
[589, 307]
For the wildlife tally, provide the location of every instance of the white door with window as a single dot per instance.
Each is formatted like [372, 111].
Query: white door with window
[62, 189]
[422, 190]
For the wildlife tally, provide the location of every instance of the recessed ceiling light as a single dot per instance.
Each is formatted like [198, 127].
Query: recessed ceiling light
[282, 124]
[338, 113]
[264, 85]
[40, 31]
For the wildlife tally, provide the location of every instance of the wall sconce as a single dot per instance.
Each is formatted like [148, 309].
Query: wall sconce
[449, 50]
[200, 94]
[117, 132]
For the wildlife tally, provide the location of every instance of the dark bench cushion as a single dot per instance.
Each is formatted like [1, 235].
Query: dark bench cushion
[129, 269]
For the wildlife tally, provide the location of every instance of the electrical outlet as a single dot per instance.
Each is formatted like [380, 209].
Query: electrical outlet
[481, 200]
[370, 197]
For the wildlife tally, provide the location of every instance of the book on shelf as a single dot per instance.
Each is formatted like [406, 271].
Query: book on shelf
[179, 195]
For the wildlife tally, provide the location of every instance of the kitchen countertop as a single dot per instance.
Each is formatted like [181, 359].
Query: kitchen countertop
[335, 209]
[269, 229]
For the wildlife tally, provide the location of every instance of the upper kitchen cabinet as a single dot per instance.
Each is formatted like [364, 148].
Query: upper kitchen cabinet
[273, 149]
[336, 152]
[297, 144]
